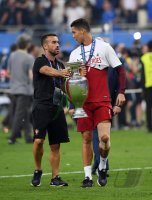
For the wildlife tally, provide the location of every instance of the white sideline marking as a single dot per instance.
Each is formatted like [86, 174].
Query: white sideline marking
[75, 172]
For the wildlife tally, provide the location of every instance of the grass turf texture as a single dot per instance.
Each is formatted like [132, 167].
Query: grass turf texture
[129, 149]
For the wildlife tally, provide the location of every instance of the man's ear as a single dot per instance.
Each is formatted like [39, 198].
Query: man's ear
[45, 46]
[82, 30]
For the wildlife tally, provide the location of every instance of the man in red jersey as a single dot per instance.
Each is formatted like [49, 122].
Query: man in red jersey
[96, 56]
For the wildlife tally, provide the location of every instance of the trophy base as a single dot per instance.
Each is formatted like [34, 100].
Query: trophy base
[79, 113]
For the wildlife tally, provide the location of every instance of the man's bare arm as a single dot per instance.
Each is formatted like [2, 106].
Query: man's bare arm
[50, 71]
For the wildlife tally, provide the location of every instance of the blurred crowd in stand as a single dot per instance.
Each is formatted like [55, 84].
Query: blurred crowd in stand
[138, 74]
[61, 12]
[132, 111]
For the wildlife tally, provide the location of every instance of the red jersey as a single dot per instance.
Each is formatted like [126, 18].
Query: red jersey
[98, 89]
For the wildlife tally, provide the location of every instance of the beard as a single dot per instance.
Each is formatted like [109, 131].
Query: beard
[54, 53]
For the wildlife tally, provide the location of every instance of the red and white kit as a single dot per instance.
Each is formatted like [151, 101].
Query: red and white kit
[98, 103]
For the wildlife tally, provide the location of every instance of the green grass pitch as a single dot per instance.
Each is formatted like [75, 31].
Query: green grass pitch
[130, 169]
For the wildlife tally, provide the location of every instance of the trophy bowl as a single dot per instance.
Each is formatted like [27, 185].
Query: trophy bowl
[77, 91]
[74, 66]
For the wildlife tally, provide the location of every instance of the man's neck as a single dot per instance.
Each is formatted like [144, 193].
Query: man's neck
[50, 56]
[87, 39]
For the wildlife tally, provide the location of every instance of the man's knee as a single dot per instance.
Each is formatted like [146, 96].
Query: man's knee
[55, 147]
[39, 142]
[105, 138]
[104, 142]
[87, 138]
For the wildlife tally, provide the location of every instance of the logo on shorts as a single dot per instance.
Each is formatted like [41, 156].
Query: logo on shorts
[36, 131]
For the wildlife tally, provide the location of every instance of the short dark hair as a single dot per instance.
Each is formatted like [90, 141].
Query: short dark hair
[43, 38]
[30, 48]
[81, 23]
[22, 43]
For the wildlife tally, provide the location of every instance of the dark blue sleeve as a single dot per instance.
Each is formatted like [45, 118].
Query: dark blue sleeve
[113, 83]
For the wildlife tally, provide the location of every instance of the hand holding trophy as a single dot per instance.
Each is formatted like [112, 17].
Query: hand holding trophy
[77, 88]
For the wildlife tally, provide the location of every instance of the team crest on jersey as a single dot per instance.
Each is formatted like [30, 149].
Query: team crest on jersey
[36, 131]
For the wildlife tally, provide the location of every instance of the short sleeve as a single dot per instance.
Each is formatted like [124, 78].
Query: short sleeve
[39, 62]
[73, 57]
[112, 58]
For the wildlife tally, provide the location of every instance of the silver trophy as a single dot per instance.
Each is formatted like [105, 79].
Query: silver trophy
[77, 89]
